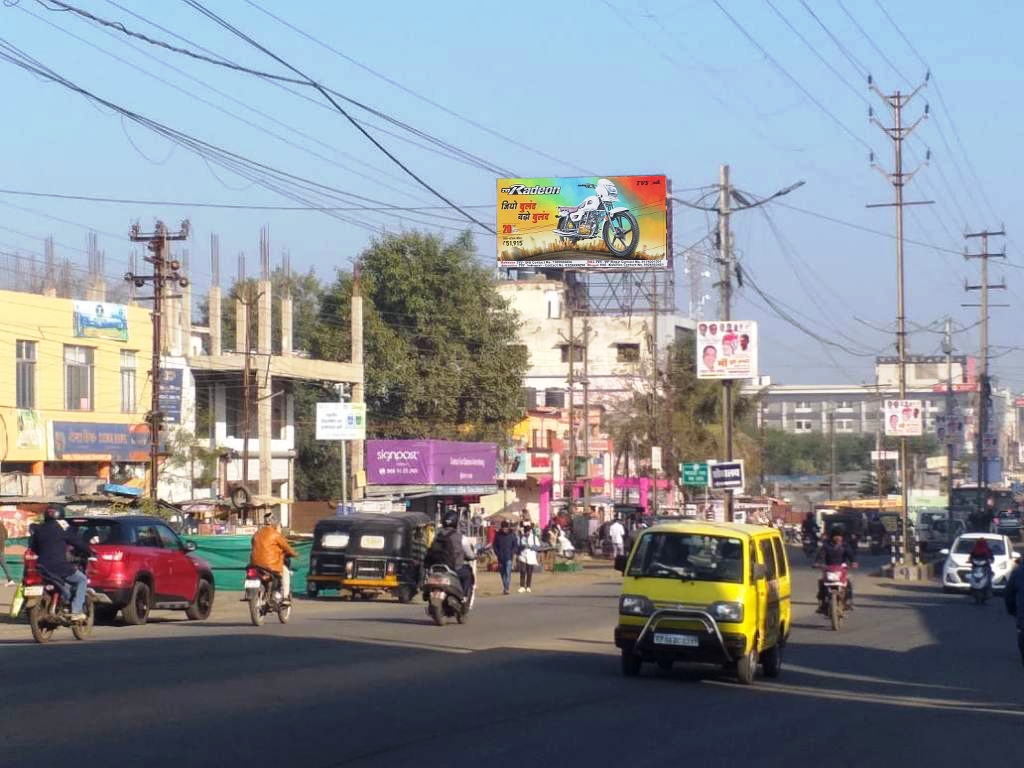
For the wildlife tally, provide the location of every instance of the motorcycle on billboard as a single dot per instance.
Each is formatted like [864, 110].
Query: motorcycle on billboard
[596, 217]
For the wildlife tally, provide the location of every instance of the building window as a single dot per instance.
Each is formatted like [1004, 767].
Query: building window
[844, 425]
[577, 353]
[803, 425]
[628, 353]
[78, 378]
[25, 373]
[128, 393]
[803, 406]
[844, 405]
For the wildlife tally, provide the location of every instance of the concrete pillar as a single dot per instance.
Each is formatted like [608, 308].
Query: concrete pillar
[241, 323]
[287, 340]
[357, 464]
[215, 322]
[186, 320]
[264, 388]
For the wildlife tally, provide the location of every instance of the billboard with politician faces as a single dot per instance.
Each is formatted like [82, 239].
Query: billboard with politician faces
[903, 418]
[726, 349]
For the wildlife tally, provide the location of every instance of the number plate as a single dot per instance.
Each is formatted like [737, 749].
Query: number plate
[252, 584]
[832, 576]
[34, 591]
[690, 641]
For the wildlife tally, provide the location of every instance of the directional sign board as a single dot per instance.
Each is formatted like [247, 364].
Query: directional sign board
[694, 473]
[726, 475]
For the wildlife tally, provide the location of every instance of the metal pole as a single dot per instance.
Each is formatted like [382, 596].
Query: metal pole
[586, 409]
[947, 347]
[901, 320]
[570, 471]
[158, 247]
[725, 287]
[983, 383]
[655, 432]
[832, 454]
[246, 387]
[344, 474]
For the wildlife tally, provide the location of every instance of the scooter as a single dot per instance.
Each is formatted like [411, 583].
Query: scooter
[442, 590]
[980, 580]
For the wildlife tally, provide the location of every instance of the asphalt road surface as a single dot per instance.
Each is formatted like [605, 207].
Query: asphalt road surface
[913, 677]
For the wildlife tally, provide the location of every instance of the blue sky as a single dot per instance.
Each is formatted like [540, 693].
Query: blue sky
[644, 86]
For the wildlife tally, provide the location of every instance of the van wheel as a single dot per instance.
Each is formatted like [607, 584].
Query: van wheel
[771, 661]
[137, 609]
[747, 666]
[665, 665]
[631, 663]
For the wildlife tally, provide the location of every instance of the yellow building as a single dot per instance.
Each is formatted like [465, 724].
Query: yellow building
[74, 390]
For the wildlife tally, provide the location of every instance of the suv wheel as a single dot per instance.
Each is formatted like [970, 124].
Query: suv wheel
[137, 609]
[203, 604]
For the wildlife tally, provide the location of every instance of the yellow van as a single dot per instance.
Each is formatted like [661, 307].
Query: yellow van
[705, 592]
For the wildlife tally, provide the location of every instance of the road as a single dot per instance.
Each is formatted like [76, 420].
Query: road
[914, 676]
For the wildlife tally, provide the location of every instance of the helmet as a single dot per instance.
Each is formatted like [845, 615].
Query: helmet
[51, 513]
[450, 519]
[269, 519]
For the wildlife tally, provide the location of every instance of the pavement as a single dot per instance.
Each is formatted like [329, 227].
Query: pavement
[913, 676]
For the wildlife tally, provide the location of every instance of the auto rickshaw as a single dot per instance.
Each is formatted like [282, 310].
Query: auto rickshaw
[365, 554]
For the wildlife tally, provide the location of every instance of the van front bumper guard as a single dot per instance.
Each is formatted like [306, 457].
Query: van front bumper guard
[685, 614]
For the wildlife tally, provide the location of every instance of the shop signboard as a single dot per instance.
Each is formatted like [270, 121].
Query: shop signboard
[609, 222]
[725, 475]
[726, 349]
[82, 441]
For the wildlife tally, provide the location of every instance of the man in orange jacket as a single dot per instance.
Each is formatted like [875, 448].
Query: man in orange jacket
[269, 549]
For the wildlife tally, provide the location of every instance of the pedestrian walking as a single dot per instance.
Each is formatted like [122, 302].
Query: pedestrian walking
[505, 546]
[3, 554]
[529, 545]
[617, 536]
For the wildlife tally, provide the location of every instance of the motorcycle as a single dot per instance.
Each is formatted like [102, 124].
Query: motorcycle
[834, 579]
[980, 580]
[596, 217]
[48, 602]
[263, 593]
[442, 590]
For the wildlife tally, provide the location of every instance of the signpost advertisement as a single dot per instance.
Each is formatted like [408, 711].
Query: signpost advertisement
[726, 475]
[694, 473]
[614, 222]
[726, 349]
[903, 418]
[341, 421]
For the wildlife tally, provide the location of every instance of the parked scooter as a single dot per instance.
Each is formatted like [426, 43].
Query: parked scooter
[980, 580]
[442, 590]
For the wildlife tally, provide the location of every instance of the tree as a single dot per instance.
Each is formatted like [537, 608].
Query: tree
[440, 343]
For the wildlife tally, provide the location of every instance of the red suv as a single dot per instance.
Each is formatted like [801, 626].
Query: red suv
[141, 564]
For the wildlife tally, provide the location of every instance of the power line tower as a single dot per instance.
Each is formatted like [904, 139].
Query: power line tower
[165, 271]
[984, 387]
[898, 132]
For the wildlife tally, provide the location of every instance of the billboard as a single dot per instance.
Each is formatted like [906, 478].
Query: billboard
[903, 418]
[611, 222]
[100, 320]
[341, 421]
[726, 349]
[949, 429]
[172, 381]
[726, 474]
[430, 462]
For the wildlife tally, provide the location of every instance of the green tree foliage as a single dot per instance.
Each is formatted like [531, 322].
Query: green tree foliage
[440, 343]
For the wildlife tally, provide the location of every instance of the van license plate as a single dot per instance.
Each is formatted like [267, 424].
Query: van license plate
[690, 641]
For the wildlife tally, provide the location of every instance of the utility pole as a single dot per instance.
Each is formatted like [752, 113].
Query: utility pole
[832, 454]
[655, 432]
[586, 409]
[725, 293]
[164, 271]
[570, 471]
[248, 301]
[947, 348]
[898, 133]
[984, 387]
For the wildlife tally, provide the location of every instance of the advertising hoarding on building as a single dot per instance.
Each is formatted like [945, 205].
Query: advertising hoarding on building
[430, 462]
[100, 320]
[81, 441]
[903, 418]
[726, 349]
[608, 222]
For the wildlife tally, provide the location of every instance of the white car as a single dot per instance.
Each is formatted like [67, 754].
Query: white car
[957, 565]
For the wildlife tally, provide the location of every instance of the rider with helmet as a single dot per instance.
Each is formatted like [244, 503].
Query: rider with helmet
[50, 542]
[837, 552]
[451, 548]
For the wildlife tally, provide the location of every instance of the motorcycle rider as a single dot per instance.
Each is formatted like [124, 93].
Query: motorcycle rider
[451, 548]
[50, 542]
[269, 549]
[982, 551]
[809, 527]
[836, 552]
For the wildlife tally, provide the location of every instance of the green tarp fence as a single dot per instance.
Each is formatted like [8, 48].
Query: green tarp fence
[227, 556]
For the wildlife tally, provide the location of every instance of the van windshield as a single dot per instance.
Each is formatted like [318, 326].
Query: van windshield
[688, 556]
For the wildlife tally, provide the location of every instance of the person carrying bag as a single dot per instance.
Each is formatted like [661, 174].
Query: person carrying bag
[529, 545]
